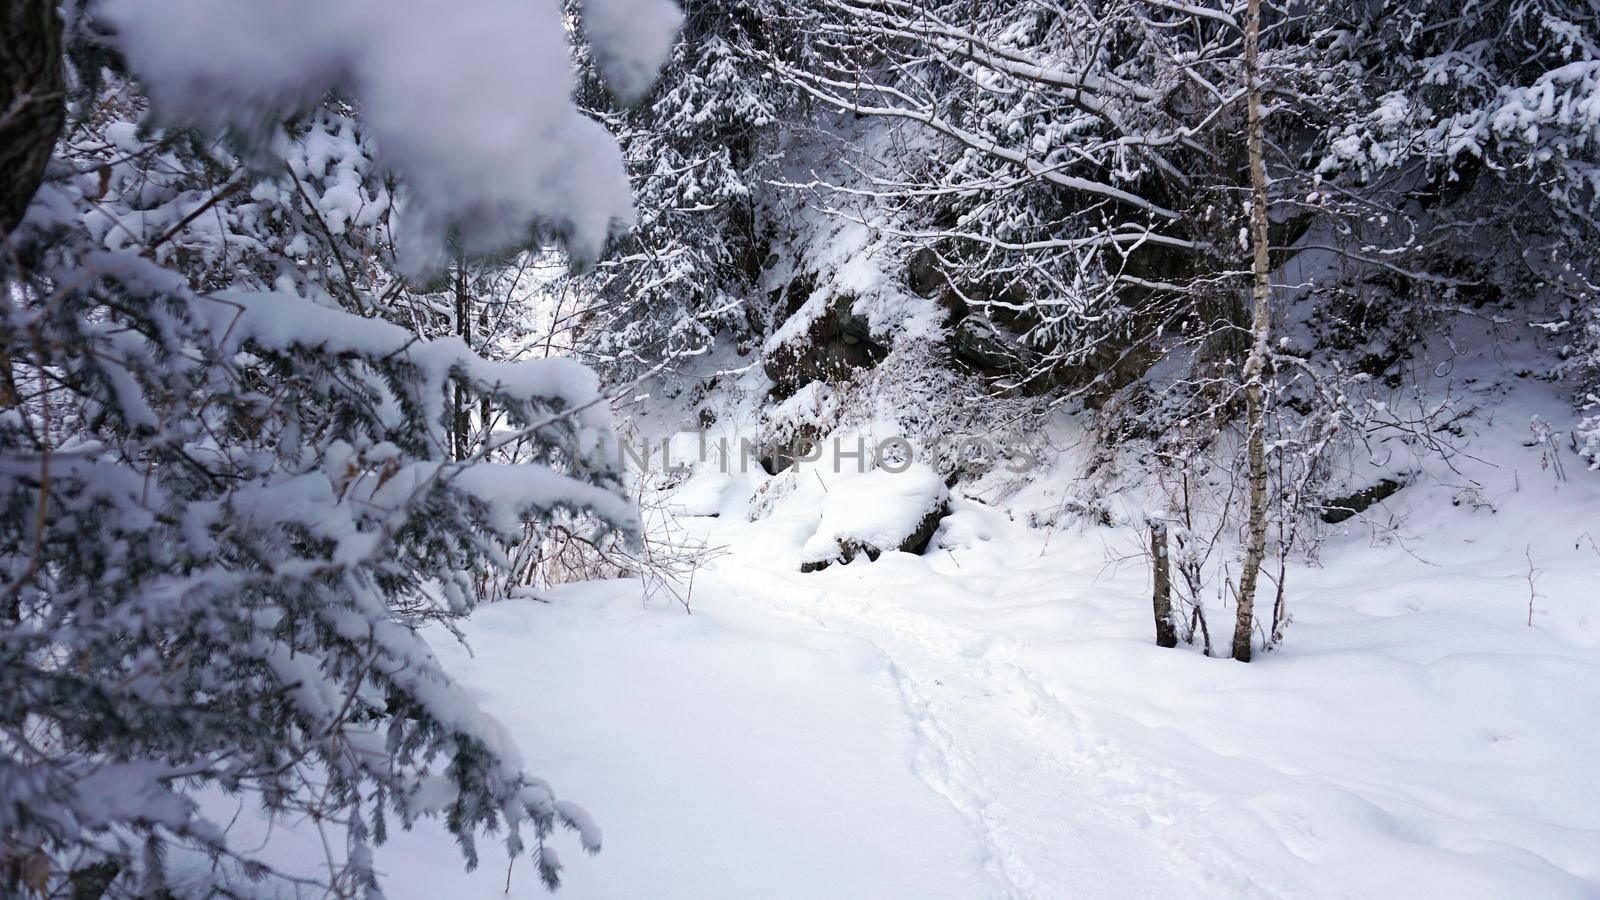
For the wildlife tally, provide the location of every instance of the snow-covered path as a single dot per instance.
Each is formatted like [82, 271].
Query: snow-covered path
[1060, 810]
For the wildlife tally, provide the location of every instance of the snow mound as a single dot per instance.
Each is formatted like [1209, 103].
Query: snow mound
[704, 494]
[877, 511]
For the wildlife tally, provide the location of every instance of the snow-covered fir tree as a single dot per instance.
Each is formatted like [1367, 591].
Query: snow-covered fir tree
[231, 461]
[698, 149]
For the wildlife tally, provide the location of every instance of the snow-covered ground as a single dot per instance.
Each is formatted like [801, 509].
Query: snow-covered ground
[993, 719]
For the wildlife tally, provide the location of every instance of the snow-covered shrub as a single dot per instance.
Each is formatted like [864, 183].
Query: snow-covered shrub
[952, 419]
[1584, 354]
[1489, 115]
[1588, 436]
[1500, 91]
[663, 556]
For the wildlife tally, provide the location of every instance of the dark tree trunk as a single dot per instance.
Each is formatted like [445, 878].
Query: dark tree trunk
[462, 424]
[1166, 635]
[485, 410]
[32, 101]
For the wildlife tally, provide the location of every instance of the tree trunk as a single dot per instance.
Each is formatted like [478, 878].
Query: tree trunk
[485, 410]
[32, 101]
[32, 114]
[1260, 327]
[1166, 634]
[463, 408]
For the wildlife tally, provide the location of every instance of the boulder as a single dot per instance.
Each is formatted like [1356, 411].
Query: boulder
[981, 345]
[1338, 509]
[833, 344]
[875, 512]
[923, 274]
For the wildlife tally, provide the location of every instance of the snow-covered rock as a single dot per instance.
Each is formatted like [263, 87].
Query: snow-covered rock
[702, 495]
[877, 511]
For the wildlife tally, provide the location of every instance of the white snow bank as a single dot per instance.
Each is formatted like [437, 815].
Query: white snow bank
[877, 509]
[704, 494]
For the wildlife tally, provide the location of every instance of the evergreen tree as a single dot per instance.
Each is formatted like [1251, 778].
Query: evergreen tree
[231, 474]
[698, 149]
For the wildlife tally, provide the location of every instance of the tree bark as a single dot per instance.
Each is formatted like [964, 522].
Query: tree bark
[462, 424]
[1260, 327]
[32, 102]
[1161, 597]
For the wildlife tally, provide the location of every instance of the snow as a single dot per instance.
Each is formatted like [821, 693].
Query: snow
[993, 718]
[879, 508]
[704, 494]
[741, 751]
[470, 104]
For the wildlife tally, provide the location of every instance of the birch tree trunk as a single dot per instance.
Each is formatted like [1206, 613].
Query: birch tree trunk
[1260, 327]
